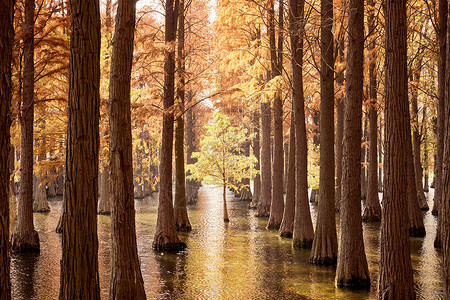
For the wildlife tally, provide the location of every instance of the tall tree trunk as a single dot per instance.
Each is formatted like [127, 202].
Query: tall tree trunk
[352, 269]
[442, 89]
[104, 204]
[79, 263]
[303, 232]
[181, 216]
[6, 44]
[372, 211]
[396, 276]
[191, 185]
[287, 224]
[266, 162]
[324, 248]
[418, 170]
[363, 162]
[256, 153]
[24, 237]
[277, 204]
[224, 197]
[245, 192]
[380, 156]
[166, 237]
[126, 277]
[426, 187]
[339, 126]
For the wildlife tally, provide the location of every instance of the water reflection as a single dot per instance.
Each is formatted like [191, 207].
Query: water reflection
[239, 260]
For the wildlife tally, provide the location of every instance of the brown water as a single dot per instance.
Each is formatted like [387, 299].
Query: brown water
[239, 260]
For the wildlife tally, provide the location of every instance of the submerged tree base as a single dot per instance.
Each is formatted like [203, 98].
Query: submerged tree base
[25, 243]
[371, 214]
[357, 283]
[104, 213]
[41, 208]
[305, 243]
[274, 226]
[326, 261]
[184, 227]
[169, 246]
[417, 231]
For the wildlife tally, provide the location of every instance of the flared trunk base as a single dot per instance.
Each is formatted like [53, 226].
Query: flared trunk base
[25, 243]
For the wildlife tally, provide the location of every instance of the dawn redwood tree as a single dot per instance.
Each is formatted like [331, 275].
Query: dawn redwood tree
[191, 185]
[339, 126]
[256, 153]
[104, 203]
[6, 44]
[79, 263]
[126, 277]
[287, 224]
[166, 237]
[372, 211]
[263, 207]
[396, 276]
[303, 232]
[181, 217]
[352, 269]
[443, 18]
[24, 237]
[276, 58]
[324, 247]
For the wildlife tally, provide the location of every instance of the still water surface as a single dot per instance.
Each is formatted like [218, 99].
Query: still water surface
[239, 260]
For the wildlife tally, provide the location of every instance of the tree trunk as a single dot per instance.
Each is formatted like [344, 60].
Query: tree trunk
[245, 192]
[6, 44]
[396, 276]
[363, 162]
[277, 204]
[426, 187]
[339, 127]
[126, 277]
[266, 169]
[181, 216]
[166, 237]
[380, 157]
[352, 269]
[104, 204]
[324, 247]
[303, 232]
[79, 264]
[40, 204]
[225, 210]
[24, 237]
[372, 211]
[418, 170]
[287, 224]
[256, 153]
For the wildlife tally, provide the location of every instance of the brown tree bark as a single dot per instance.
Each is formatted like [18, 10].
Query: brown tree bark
[339, 127]
[277, 204]
[245, 192]
[426, 187]
[396, 276]
[352, 269]
[104, 203]
[6, 44]
[372, 211]
[40, 204]
[126, 277]
[263, 208]
[192, 186]
[287, 224]
[380, 157]
[79, 263]
[416, 139]
[181, 216]
[225, 209]
[166, 237]
[442, 88]
[256, 153]
[24, 237]
[363, 162]
[303, 232]
[324, 247]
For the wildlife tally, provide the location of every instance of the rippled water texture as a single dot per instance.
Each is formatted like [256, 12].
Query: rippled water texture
[239, 260]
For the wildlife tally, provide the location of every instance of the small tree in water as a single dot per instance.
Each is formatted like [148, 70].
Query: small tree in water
[221, 159]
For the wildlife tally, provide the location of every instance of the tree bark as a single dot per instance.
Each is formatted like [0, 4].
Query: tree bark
[166, 237]
[277, 204]
[287, 224]
[245, 192]
[6, 45]
[263, 208]
[372, 211]
[40, 204]
[256, 153]
[363, 162]
[181, 216]
[104, 204]
[324, 248]
[426, 187]
[339, 128]
[396, 276]
[418, 170]
[191, 185]
[126, 277]
[303, 232]
[352, 269]
[225, 209]
[79, 263]
[24, 237]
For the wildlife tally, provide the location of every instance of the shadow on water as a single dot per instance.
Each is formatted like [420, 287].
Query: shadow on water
[239, 260]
